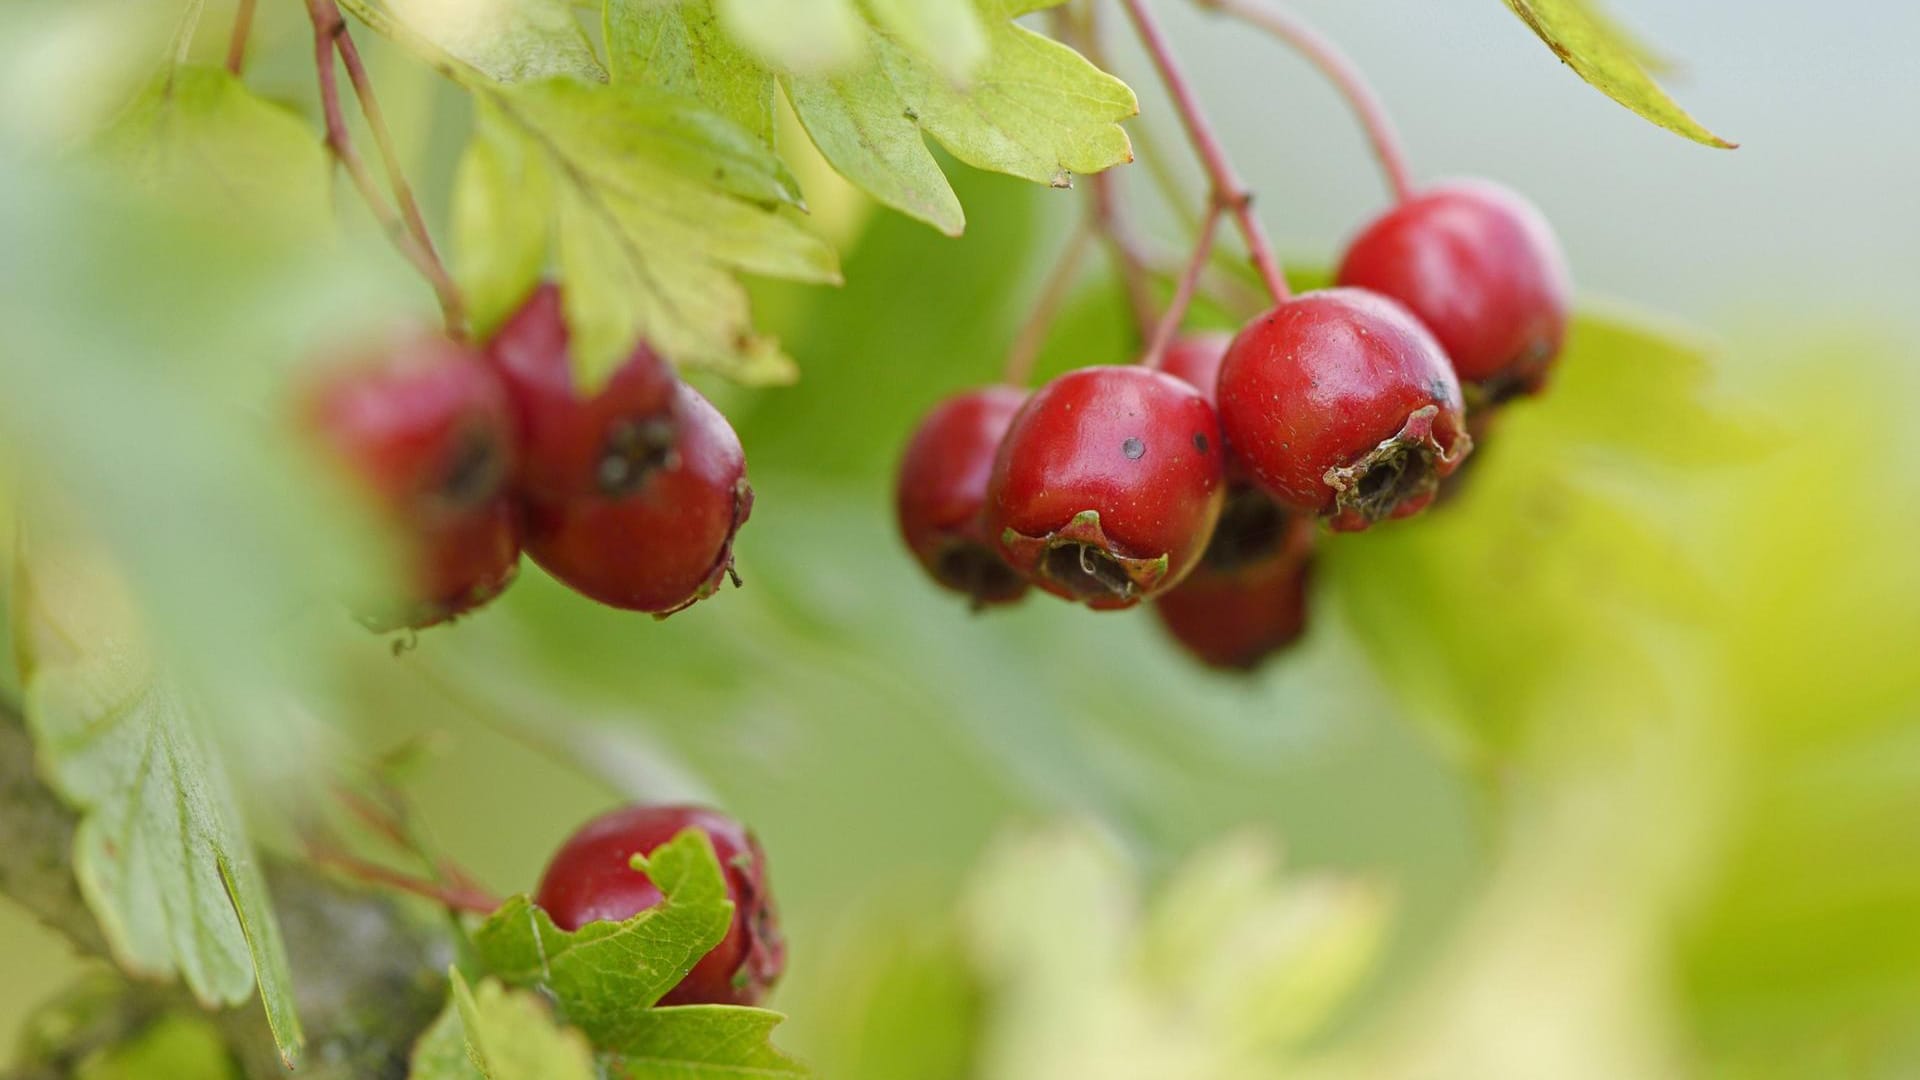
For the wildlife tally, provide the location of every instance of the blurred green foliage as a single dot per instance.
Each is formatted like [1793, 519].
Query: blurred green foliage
[1618, 748]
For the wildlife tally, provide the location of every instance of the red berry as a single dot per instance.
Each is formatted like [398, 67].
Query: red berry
[1195, 358]
[942, 491]
[1107, 485]
[668, 542]
[592, 879]
[603, 443]
[1233, 614]
[424, 428]
[1340, 403]
[1481, 267]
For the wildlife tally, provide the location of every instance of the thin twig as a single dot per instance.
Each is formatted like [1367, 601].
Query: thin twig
[327, 28]
[1183, 288]
[389, 154]
[1228, 190]
[237, 40]
[1053, 296]
[453, 898]
[1341, 71]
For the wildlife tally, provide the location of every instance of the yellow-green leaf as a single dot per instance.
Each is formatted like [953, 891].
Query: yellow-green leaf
[1580, 34]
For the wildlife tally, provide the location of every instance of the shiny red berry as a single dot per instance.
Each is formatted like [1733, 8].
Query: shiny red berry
[1232, 614]
[575, 443]
[942, 491]
[1107, 485]
[1195, 358]
[592, 879]
[1480, 266]
[1340, 403]
[669, 541]
[424, 429]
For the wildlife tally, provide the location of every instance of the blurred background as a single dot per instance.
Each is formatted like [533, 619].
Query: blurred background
[1617, 756]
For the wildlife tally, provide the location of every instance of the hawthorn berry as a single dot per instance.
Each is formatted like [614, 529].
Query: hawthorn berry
[1231, 613]
[592, 879]
[1107, 485]
[941, 493]
[667, 542]
[1196, 358]
[572, 443]
[1481, 267]
[424, 428]
[1339, 403]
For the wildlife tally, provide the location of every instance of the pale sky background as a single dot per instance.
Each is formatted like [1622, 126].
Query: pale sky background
[1820, 205]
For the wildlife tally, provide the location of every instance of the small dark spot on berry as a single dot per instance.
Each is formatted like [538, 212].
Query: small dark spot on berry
[1134, 449]
[1200, 441]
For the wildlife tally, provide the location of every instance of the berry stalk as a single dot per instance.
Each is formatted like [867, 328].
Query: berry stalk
[1184, 289]
[1228, 189]
[328, 28]
[1027, 343]
[1339, 69]
[383, 141]
[453, 898]
[237, 40]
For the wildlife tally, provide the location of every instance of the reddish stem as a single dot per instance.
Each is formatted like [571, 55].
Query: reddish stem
[1341, 71]
[329, 27]
[383, 141]
[1184, 288]
[453, 898]
[1228, 190]
[1053, 296]
[237, 42]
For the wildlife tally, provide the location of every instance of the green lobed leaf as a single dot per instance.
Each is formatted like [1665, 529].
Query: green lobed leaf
[1036, 109]
[200, 141]
[702, 1042]
[604, 975]
[507, 41]
[1027, 106]
[655, 208]
[1583, 36]
[161, 854]
[681, 48]
[494, 1033]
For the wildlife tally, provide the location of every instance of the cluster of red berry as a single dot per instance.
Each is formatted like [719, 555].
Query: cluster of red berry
[1194, 479]
[592, 879]
[630, 495]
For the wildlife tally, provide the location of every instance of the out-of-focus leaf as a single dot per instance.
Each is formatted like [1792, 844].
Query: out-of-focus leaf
[604, 975]
[796, 35]
[681, 48]
[178, 1047]
[1582, 36]
[950, 34]
[161, 853]
[658, 206]
[1800, 953]
[1542, 564]
[1221, 977]
[493, 1033]
[503, 40]
[200, 140]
